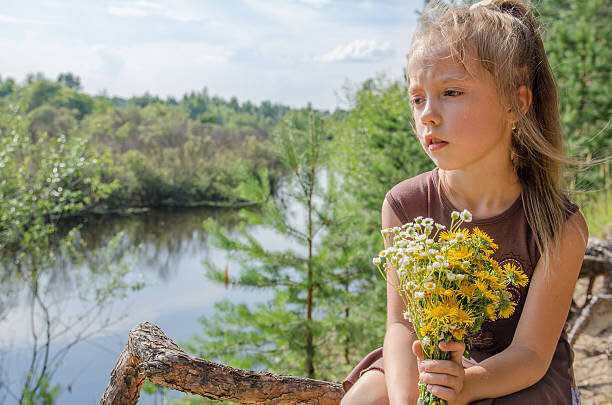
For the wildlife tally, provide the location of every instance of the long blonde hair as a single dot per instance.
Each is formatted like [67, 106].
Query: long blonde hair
[505, 37]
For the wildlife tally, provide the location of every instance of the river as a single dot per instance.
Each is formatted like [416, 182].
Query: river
[164, 251]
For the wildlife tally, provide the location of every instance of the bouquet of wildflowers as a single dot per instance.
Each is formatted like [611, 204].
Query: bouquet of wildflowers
[449, 282]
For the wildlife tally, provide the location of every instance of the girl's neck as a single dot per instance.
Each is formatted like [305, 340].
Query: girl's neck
[484, 194]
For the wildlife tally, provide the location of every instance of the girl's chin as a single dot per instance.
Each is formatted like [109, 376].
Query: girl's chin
[444, 165]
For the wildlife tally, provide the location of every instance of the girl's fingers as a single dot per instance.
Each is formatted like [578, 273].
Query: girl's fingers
[442, 392]
[417, 349]
[441, 367]
[456, 349]
[444, 380]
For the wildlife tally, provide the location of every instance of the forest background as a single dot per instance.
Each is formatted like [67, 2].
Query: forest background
[65, 155]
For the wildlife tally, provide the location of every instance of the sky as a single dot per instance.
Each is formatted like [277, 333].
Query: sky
[286, 51]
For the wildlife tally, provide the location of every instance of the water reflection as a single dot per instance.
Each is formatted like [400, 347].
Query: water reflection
[163, 249]
[164, 236]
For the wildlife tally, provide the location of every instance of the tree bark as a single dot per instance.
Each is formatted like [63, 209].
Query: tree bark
[150, 353]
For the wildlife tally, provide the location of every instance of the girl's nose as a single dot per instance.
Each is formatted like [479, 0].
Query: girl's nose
[430, 114]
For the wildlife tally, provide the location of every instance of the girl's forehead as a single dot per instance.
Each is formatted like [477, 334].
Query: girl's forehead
[426, 58]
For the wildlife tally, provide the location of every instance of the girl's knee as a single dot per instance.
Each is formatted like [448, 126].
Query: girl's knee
[370, 389]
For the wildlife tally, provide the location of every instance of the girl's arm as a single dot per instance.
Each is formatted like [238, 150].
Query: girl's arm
[528, 357]
[401, 374]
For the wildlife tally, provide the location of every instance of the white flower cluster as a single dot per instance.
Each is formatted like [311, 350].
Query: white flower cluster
[417, 239]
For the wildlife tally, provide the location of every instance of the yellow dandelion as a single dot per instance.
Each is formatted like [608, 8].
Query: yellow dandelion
[490, 294]
[485, 276]
[463, 317]
[488, 252]
[467, 291]
[459, 253]
[464, 231]
[490, 309]
[439, 313]
[514, 275]
[427, 327]
[458, 333]
[495, 265]
[445, 292]
[481, 285]
[478, 233]
[446, 235]
[507, 311]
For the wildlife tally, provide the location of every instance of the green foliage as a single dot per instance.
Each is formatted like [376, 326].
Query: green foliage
[163, 152]
[577, 42]
[294, 332]
[373, 148]
[44, 395]
[69, 80]
[164, 158]
[7, 87]
[40, 184]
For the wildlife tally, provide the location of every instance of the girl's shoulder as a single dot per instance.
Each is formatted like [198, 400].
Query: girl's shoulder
[409, 198]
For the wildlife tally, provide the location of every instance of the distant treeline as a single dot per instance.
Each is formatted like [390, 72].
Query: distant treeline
[155, 152]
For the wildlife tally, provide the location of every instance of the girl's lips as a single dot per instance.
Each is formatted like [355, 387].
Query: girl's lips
[434, 143]
[436, 146]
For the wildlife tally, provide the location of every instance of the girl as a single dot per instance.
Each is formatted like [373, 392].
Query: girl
[485, 109]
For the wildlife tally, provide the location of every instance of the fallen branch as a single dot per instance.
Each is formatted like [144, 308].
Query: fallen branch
[585, 316]
[151, 354]
[597, 262]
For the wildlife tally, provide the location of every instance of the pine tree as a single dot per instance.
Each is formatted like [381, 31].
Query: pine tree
[374, 148]
[289, 333]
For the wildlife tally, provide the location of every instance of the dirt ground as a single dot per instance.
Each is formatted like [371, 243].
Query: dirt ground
[593, 353]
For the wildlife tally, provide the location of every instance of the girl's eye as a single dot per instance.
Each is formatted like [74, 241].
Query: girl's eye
[416, 100]
[453, 93]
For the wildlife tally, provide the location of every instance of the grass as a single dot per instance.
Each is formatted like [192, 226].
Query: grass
[597, 211]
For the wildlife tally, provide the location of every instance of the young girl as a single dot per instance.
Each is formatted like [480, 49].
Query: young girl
[485, 109]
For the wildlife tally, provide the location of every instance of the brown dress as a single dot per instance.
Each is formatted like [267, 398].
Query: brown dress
[421, 195]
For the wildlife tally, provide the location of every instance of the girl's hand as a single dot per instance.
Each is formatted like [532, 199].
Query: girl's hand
[444, 378]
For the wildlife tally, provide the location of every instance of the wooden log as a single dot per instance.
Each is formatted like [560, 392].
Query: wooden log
[597, 262]
[585, 316]
[150, 353]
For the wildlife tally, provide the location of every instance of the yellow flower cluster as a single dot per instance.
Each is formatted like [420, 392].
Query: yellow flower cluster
[448, 279]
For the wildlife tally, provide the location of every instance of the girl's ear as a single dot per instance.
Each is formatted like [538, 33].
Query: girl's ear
[524, 97]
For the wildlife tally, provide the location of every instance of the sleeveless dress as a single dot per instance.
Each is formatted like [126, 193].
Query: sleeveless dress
[421, 195]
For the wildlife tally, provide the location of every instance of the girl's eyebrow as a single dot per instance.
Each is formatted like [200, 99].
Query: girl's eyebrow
[447, 79]
[444, 79]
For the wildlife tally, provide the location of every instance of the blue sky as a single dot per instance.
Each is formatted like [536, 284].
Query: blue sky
[286, 51]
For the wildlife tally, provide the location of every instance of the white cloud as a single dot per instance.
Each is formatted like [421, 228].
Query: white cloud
[127, 11]
[147, 8]
[361, 50]
[180, 16]
[316, 3]
[15, 20]
[148, 4]
[284, 14]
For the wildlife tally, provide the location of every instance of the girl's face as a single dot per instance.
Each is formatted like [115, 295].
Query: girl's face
[459, 117]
